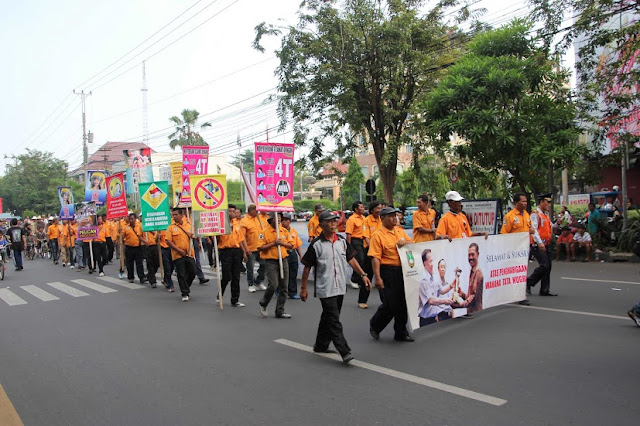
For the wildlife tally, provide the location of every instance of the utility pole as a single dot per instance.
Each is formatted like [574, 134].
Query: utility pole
[85, 147]
[240, 165]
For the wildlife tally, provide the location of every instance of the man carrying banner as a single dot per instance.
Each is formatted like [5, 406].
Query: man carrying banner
[355, 237]
[294, 254]
[252, 231]
[99, 247]
[314, 223]
[269, 247]
[542, 236]
[67, 239]
[231, 257]
[518, 220]
[387, 270]
[329, 255]
[179, 238]
[423, 225]
[108, 238]
[454, 224]
[133, 241]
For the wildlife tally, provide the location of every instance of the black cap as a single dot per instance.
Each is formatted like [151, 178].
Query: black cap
[546, 196]
[388, 210]
[328, 215]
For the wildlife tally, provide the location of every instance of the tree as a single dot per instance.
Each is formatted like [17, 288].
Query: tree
[360, 70]
[31, 183]
[509, 103]
[351, 185]
[247, 159]
[186, 133]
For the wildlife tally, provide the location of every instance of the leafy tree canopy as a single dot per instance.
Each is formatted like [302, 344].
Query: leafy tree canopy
[187, 130]
[351, 185]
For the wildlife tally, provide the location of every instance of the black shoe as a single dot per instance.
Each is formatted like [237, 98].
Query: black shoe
[524, 302]
[203, 282]
[324, 351]
[548, 294]
[404, 339]
[131, 281]
[347, 358]
[374, 333]
[467, 316]
[528, 290]
[143, 280]
[153, 285]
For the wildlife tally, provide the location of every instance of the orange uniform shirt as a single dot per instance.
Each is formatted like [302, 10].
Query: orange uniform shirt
[252, 231]
[269, 236]
[422, 219]
[163, 239]
[514, 221]
[384, 244]
[68, 236]
[53, 232]
[294, 238]
[179, 235]
[355, 226]
[454, 225]
[314, 226]
[131, 234]
[151, 237]
[233, 239]
[102, 234]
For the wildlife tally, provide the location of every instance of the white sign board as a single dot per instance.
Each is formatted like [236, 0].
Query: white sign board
[482, 214]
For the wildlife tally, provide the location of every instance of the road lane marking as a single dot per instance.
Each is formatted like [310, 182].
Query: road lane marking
[39, 293]
[122, 283]
[8, 414]
[11, 298]
[403, 376]
[68, 289]
[600, 281]
[567, 311]
[93, 286]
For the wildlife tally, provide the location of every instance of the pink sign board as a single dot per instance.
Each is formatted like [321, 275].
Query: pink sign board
[195, 161]
[274, 176]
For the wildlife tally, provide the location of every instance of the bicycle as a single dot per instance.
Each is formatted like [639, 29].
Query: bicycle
[31, 252]
[3, 260]
[44, 251]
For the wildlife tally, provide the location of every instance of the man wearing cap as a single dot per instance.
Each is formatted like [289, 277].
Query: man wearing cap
[372, 223]
[314, 223]
[540, 241]
[329, 254]
[388, 274]
[355, 234]
[518, 220]
[268, 247]
[454, 224]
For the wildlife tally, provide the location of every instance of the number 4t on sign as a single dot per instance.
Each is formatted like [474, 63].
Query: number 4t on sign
[286, 163]
[201, 166]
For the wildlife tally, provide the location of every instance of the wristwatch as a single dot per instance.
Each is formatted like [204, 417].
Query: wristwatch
[364, 275]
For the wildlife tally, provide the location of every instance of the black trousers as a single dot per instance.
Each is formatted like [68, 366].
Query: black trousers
[153, 263]
[53, 245]
[394, 305]
[293, 272]
[167, 265]
[110, 249]
[362, 258]
[330, 327]
[133, 255]
[209, 248]
[86, 254]
[231, 261]
[186, 272]
[99, 255]
[543, 272]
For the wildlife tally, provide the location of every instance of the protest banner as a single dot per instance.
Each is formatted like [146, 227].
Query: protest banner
[116, 197]
[87, 221]
[67, 211]
[209, 202]
[274, 176]
[483, 215]
[95, 189]
[137, 163]
[154, 206]
[195, 161]
[445, 279]
[176, 181]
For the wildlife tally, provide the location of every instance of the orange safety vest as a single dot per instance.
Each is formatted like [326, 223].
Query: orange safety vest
[544, 228]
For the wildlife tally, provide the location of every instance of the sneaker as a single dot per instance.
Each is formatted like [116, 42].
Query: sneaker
[262, 287]
[634, 317]
[101, 274]
[283, 315]
[238, 305]
[263, 310]
[374, 334]
[363, 305]
[252, 289]
[355, 286]
[64, 264]
[467, 316]
[294, 297]
[91, 271]
[171, 290]
[71, 267]
[185, 298]
[347, 358]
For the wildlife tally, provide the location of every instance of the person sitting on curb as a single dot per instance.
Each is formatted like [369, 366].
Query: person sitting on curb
[581, 242]
[565, 240]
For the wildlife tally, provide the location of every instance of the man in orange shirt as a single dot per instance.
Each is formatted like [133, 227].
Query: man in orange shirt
[423, 225]
[231, 257]
[150, 253]
[167, 263]
[314, 223]
[53, 233]
[133, 241]
[294, 254]
[387, 270]
[99, 248]
[252, 229]
[454, 224]
[269, 246]
[372, 223]
[67, 238]
[355, 237]
[179, 239]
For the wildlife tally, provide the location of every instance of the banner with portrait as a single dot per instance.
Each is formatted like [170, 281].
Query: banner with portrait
[66, 203]
[444, 279]
[116, 197]
[95, 189]
[87, 221]
[137, 163]
[274, 176]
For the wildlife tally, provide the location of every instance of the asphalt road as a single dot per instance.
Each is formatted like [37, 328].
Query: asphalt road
[140, 356]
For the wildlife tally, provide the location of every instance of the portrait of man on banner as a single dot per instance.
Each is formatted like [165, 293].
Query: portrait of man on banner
[95, 189]
[66, 203]
[138, 167]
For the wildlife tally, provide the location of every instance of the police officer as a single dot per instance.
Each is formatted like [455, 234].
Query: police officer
[542, 236]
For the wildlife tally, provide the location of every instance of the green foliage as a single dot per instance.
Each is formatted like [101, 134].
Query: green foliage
[509, 102]
[247, 159]
[31, 184]
[186, 132]
[351, 184]
[308, 205]
[360, 70]
[628, 237]
[234, 190]
[29, 213]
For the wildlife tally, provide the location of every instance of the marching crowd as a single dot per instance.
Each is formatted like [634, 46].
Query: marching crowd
[370, 249]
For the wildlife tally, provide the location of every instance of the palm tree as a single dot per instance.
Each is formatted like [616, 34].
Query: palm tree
[186, 133]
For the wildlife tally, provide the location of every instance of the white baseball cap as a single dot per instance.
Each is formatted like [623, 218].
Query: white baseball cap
[453, 196]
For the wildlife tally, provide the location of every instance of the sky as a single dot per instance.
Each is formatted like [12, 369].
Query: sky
[197, 55]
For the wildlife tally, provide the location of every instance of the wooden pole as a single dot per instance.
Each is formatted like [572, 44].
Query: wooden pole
[121, 248]
[160, 258]
[215, 246]
[278, 247]
[91, 254]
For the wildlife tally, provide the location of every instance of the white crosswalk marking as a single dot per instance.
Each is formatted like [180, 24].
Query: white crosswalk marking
[11, 298]
[68, 289]
[121, 283]
[93, 286]
[39, 293]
